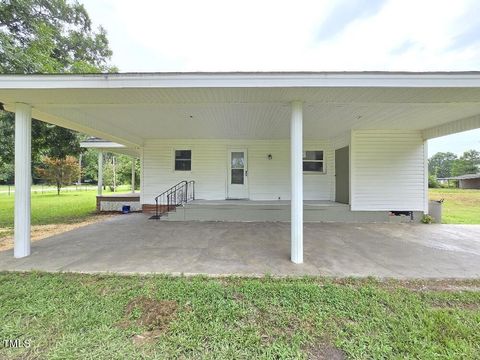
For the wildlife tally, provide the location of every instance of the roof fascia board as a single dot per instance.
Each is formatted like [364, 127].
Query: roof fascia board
[129, 151]
[101, 144]
[239, 80]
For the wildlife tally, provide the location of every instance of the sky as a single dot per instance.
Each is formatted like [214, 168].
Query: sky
[300, 35]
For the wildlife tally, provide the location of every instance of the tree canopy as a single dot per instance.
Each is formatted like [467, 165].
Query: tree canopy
[441, 163]
[444, 165]
[58, 172]
[47, 36]
[50, 36]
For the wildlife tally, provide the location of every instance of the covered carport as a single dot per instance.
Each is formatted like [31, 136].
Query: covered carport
[113, 202]
[124, 108]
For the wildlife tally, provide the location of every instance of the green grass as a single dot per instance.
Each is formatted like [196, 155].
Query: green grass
[50, 208]
[461, 206]
[69, 316]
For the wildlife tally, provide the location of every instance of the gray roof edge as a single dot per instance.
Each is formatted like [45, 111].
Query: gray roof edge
[279, 73]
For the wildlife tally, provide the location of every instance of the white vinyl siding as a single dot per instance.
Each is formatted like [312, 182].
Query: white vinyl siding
[267, 179]
[387, 170]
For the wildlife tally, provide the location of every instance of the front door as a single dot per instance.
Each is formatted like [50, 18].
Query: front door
[237, 174]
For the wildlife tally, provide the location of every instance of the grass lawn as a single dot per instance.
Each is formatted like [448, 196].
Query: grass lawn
[461, 206]
[67, 316]
[50, 208]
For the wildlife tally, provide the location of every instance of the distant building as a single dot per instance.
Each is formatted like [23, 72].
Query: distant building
[468, 181]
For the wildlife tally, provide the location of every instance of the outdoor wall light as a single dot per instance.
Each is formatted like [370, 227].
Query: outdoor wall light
[269, 156]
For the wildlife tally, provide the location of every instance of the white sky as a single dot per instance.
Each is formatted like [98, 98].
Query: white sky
[280, 35]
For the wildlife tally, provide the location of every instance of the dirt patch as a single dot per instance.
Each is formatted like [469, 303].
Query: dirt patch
[324, 350]
[154, 315]
[40, 232]
[146, 337]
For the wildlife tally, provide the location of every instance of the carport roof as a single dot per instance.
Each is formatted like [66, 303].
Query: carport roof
[131, 108]
[108, 146]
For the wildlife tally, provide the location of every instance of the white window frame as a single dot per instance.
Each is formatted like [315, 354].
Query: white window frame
[182, 148]
[324, 162]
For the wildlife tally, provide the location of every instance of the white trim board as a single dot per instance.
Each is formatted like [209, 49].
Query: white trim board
[259, 80]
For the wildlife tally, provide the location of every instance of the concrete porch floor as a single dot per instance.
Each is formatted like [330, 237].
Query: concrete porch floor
[134, 244]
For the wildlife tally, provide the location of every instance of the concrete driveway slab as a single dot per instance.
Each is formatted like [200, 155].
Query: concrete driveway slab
[135, 244]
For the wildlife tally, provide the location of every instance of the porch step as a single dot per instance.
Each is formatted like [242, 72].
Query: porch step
[237, 211]
[151, 209]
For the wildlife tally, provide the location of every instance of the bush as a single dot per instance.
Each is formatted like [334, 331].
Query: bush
[432, 182]
[427, 219]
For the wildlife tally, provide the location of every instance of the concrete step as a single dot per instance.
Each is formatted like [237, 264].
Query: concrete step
[264, 212]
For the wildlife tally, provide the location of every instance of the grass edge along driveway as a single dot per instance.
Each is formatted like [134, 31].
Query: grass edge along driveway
[66, 316]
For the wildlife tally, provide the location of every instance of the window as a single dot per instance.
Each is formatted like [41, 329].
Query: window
[238, 167]
[313, 161]
[183, 160]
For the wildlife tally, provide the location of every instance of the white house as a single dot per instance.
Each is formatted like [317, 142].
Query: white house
[289, 145]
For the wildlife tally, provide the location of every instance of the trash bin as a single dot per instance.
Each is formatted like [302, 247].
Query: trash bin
[435, 210]
[125, 209]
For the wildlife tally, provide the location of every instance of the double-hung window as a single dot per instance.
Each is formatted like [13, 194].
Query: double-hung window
[183, 160]
[313, 161]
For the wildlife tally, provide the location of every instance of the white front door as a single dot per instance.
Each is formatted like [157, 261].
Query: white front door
[237, 174]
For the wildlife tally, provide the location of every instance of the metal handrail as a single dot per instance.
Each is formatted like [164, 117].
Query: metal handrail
[191, 185]
[175, 196]
[174, 186]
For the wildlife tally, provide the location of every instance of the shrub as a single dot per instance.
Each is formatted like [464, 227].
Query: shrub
[427, 219]
[432, 182]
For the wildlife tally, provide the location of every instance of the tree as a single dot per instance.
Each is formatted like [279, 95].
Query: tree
[50, 36]
[90, 165]
[47, 36]
[440, 164]
[468, 163]
[110, 171]
[58, 172]
[6, 173]
[472, 156]
[124, 170]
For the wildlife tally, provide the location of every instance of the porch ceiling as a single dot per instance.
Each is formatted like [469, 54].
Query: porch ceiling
[129, 108]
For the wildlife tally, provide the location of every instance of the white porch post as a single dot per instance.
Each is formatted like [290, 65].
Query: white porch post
[23, 178]
[296, 152]
[133, 175]
[100, 173]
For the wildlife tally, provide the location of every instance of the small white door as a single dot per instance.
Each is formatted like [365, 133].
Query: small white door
[237, 174]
